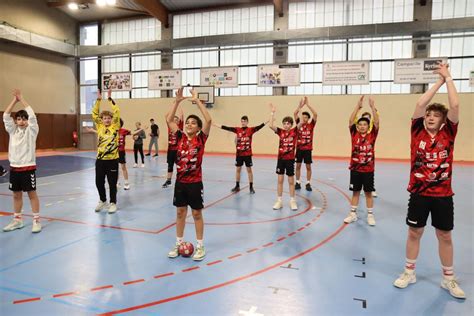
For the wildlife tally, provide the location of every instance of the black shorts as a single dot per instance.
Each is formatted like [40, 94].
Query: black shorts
[361, 180]
[189, 194]
[239, 161]
[441, 209]
[303, 156]
[171, 159]
[122, 156]
[22, 180]
[286, 166]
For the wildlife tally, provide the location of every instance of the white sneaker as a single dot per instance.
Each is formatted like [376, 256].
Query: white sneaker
[374, 194]
[14, 224]
[278, 205]
[135, 165]
[126, 186]
[406, 278]
[112, 208]
[293, 205]
[371, 219]
[453, 287]
[174, 252]
[36, 226]
[199, 254]
[352, 217]
[100, 206]
[142, 165]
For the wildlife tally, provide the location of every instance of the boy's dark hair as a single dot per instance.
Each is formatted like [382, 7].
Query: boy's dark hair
[197, 118]
[437, 107]
[152, 120]
[366, 114]
[245, 118]
[121, 123]
[307, 114]
[288, 119]
[22, 113]
[363, 119]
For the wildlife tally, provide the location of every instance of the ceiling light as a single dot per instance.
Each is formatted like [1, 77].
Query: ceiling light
[111, 2]
[100, 3]
[73, 6]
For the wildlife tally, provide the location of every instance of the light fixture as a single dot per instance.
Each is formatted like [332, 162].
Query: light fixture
[73, 6]
[101, 3]
[111, 2]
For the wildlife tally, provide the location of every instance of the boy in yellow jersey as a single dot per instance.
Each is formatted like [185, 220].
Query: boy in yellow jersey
[107, 125]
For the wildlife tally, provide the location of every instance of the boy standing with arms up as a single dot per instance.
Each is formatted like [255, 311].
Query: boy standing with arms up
[189, 190]
[304, 145]
[107, 125]
[172, 146]
[243, 148]
[23, 132]
[433, 132]
[286, 157]
[362, 164]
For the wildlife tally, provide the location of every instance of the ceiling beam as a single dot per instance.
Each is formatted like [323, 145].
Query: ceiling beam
[278, 7]
[156, 9]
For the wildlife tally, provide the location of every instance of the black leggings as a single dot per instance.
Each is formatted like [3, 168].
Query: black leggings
[109, 169]
[138, 148]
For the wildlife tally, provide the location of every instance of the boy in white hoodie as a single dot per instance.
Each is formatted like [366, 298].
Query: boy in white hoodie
[23, 132]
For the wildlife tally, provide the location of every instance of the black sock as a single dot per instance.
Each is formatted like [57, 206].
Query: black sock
[237, 183]
[251, 184]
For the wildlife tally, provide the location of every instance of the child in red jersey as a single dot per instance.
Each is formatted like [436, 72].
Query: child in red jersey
[433, 132]
[362, 164]
[123, 132]
[304, 144]
[188, 188]
[286, 157]
[172, 146]
[243, 149]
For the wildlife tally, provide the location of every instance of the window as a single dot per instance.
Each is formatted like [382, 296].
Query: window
[232, 21]
[131, 31]
[88, 77]
[320, 13]
[447, 9]
[459, 48]
[140, 67]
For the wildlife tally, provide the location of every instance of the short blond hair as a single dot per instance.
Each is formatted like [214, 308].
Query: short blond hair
[106, 113]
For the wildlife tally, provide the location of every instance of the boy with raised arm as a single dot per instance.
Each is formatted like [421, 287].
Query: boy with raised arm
[433, 132]
[107, 125]
[188, 190]
[23, 132]
[243, 149]
[172, 146]
[304, 144]
[286, 157]
[362, 163]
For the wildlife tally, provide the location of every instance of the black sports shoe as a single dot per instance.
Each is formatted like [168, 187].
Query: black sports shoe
[166, 184]
[235, 189]
[155, 155]
[297, 186]
[252, 191]
[3, 172]
[147, 154]
[308, 187]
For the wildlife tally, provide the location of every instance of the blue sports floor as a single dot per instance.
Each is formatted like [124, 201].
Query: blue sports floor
[259, 261]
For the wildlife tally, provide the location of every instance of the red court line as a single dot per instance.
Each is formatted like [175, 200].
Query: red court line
[133, 282]
[207, 289]
[190, 269]
[301, 228]
[214, 262]
[27, 300]
[163, 275]
[307, 224]
[65, 294]
[281, 238]
[102, 287]
[252, 250]
[291, 234]
[234, 256]
[267, 245]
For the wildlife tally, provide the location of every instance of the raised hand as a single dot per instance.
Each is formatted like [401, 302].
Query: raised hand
[306, 101]
[194, 95]
[360, 104]
[179, 95]
[443, 70]
[17, 95]
[272, 107]
[301, 104]
[371, 102]
[109, 93]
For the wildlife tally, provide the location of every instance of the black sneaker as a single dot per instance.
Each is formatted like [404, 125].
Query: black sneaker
[235, 189]
[156, 155]
[147, 154]
[308, 187]
[166, 184]
[3, 173]
[252, 191]
[297, 186]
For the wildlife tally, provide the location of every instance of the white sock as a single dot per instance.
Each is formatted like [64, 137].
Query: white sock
[279, 198]
[370, 210]
[298, 181]
[200, 243]
[353, 208]
[179, 240]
